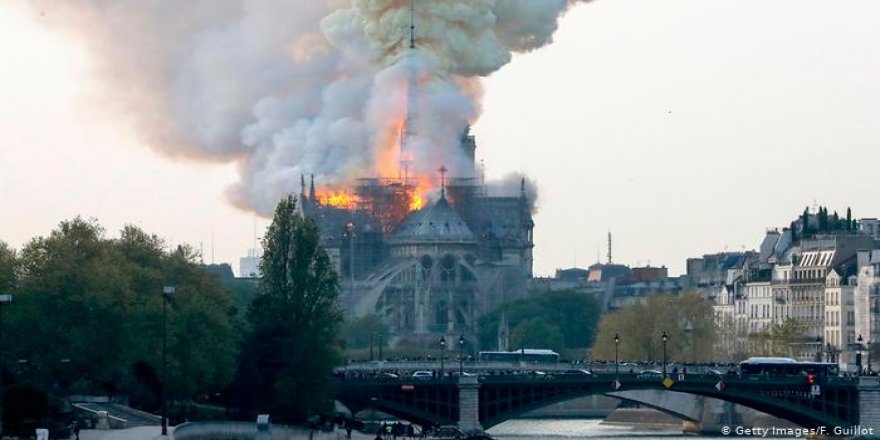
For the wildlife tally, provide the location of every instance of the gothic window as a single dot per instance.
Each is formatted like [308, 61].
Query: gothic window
[447, 268]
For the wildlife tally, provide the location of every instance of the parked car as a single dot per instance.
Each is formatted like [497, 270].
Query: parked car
[387, 375]
[423, 374]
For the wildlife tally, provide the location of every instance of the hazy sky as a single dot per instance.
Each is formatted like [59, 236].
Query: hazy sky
[683, 126]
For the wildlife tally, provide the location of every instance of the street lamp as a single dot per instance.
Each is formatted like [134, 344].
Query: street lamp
[371, 347]
[460, 355]
[442, 352]
[616, 351]
[665, 338]
[5, 298]
[818, 348]
[380, 346]
[167, 291]
[868, 357]
[859, 354]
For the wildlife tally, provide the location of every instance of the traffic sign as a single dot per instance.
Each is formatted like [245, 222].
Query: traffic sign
[720, 385]
[615, 384]
[668, 382]
[816, 390]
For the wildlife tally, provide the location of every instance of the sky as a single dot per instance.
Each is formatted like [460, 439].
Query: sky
[683, 127]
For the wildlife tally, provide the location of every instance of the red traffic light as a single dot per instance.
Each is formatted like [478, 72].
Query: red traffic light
[811, 378]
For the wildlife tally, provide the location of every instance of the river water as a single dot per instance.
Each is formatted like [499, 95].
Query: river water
[576, 429]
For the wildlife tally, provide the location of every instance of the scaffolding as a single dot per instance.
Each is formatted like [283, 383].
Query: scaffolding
[388, 201]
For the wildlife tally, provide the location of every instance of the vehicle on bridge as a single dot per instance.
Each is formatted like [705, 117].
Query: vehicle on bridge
[650, 374]
[787, 366]
[453, 433]
[525, 355]
[574, 372]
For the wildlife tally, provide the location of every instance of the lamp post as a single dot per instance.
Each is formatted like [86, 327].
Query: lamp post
[460, 355]
[665, 338]
[442, 352]
[868, 357]
[371, 347]
[5, 298]
[616, 352]
[167, 291]
[859, 354]
[380, 346]
[818, 348]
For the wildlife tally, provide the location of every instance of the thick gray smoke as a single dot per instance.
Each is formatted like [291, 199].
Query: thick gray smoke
[291, 87]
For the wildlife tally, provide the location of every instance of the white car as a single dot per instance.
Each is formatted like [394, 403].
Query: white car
[423, 374]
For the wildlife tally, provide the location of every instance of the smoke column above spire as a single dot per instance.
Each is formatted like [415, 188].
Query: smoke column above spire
[292, 87]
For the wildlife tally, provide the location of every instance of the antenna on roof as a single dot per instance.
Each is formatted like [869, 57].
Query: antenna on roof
[609, 247]
[412, 24]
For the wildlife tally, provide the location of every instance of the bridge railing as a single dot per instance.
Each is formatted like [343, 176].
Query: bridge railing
[475, 366]
[626, 377]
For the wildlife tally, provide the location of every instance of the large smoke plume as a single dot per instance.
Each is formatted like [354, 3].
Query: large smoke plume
[291, 87]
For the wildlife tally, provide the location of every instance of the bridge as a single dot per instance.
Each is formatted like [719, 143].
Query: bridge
[475, 403]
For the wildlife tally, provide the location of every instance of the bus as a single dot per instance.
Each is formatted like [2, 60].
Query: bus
[787, 366]
[525, 355]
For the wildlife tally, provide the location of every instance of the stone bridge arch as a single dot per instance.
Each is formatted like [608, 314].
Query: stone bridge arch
[495, 399]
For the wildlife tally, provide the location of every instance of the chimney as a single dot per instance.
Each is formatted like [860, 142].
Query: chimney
[863, 258]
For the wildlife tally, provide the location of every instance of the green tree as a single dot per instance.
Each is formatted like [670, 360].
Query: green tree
[87, 316]
[8, 263]
[356, 333]
[537, 333]
[295, 318]
[575, 314]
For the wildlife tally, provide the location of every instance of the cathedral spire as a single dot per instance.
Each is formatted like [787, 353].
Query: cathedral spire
[406, 134]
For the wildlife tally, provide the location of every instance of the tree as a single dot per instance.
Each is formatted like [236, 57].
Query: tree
[8, 263]
[687, 319]
[782, 335]
[849, 221]
[88, 311]
[291, 349]
[356, 333]
[537, 333]
[574, 314]
[731, 340]
[805, 220]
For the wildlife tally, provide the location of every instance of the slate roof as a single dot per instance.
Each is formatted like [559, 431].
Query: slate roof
[436, 223]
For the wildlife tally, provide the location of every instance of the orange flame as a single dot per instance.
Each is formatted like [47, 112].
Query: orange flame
[416, 202]
[337, 198]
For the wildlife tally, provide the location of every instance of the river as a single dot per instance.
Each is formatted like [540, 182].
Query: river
[576, 429]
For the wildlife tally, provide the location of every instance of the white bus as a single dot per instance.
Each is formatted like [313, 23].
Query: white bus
[525, 355]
